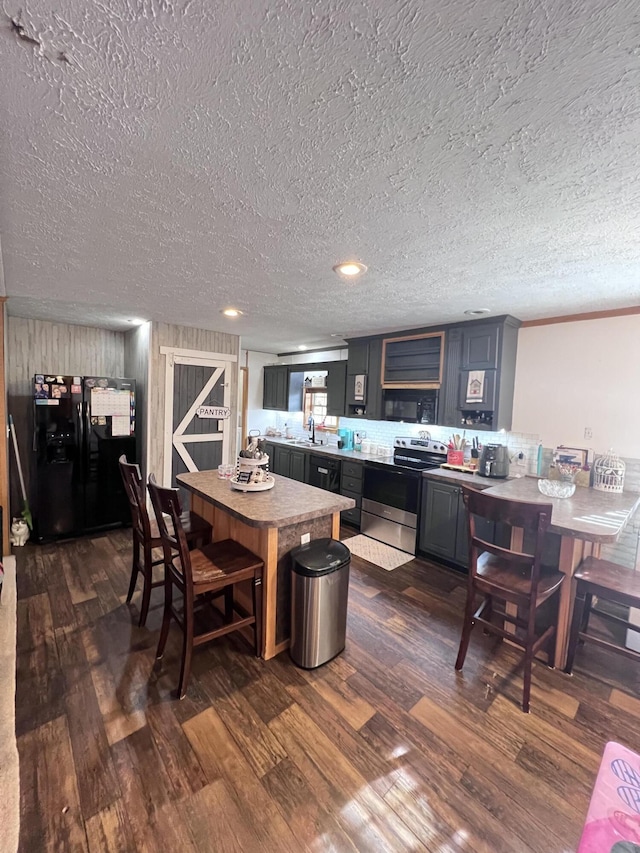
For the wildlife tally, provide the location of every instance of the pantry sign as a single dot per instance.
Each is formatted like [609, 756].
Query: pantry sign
[219, 413]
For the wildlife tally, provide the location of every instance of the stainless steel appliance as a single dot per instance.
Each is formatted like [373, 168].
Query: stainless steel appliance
[391, 491]
[324, 473]
[417, 407]
[82, 425]
[494, 461]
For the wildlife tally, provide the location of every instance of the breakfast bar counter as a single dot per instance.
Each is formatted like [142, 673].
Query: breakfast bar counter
[584, 522]
[269, 523]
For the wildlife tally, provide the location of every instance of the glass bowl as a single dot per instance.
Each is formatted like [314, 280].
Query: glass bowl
[556, 488]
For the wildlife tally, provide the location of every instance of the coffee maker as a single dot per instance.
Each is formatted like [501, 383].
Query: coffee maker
[494, 461]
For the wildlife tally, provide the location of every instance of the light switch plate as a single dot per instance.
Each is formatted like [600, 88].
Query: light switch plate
[306, 537]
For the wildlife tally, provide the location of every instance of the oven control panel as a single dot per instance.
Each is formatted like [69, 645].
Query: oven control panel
[426, 445]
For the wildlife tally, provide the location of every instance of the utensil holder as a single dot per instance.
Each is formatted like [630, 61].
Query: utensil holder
[455, 457]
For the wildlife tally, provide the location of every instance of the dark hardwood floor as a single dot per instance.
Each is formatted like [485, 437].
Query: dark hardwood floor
[386, 748]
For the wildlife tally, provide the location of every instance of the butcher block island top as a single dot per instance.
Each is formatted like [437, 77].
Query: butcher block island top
[270, 524]
[289, 502]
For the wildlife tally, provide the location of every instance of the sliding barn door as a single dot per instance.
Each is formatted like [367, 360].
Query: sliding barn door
[197, 415]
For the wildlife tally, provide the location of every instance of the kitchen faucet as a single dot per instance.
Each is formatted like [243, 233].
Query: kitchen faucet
[312, 428]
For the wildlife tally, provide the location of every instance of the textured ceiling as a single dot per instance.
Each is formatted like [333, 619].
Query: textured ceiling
[164, 160]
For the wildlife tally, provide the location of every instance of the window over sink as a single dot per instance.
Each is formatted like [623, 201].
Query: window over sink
[315, 405]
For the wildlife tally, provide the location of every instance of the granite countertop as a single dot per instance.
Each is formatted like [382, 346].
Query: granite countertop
[589, 514]
[460, 478]
[288, 502]
[327, 450]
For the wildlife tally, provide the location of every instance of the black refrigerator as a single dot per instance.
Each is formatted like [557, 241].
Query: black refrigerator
[82, 425]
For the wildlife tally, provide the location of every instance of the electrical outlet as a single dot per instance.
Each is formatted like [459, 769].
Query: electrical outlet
[588, 432]
[306, 537]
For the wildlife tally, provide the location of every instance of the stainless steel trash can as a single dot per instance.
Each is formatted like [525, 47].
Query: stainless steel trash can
[319, 593]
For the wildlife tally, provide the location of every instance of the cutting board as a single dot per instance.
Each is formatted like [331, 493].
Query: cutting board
[465, 468]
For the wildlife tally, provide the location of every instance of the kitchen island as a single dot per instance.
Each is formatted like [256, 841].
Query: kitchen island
[270, 524]
[584, 522]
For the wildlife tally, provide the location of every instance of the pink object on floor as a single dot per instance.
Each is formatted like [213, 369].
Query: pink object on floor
[614, 810]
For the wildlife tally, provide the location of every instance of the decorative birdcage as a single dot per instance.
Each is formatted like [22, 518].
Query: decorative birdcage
[608, 473]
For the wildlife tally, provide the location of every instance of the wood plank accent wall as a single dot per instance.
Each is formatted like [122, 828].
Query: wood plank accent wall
[33, 346]
[180, 337]
[136, 366]
[4, 456]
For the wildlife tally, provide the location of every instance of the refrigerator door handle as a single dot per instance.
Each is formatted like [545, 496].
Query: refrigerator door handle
[79, 408]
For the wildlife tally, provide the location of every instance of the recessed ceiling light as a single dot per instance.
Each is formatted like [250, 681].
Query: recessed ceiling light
[476, 312]
[336, 335]
[350, 268]
[302, 346]
[135, 321]
[232, 312]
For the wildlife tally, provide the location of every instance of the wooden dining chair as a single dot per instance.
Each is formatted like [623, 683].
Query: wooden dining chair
[146, 535]
[609, 582]
[502, 576]
[202, 575]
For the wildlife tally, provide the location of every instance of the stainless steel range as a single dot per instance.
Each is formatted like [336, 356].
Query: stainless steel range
[419, 453]
[391, 491]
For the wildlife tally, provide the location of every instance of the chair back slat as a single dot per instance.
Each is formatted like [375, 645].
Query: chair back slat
[532, 517]
[134, 488]
[166, 503]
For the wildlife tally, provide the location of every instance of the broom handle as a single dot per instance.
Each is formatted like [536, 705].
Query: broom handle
[17, 452]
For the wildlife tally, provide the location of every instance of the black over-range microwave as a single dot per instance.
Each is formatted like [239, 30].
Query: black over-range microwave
[415, 407]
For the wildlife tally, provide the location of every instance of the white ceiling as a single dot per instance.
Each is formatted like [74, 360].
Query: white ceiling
[166, 159]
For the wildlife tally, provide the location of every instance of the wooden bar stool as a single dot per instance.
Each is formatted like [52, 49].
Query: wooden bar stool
[147, 536]
[502, 576]
[200, 575]
[609, 582]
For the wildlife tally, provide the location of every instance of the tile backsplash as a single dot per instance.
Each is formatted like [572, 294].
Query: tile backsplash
[383, 432]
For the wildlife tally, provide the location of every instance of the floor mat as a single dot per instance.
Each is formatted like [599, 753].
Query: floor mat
[377, 553]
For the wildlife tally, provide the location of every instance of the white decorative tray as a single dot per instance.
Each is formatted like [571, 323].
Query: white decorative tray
[253, 487]
[249, 462]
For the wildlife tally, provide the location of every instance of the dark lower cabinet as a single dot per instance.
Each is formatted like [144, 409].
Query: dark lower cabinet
[444, 529]
[439, 520]
[297, 465]
[351, 487]
[289, 462]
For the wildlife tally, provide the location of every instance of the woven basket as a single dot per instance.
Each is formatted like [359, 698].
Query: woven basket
[608, 473]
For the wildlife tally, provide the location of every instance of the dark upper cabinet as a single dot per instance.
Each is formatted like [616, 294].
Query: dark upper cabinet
[491, 349]
[282, 389]
[448, 410]
[336, 387]
[357, 368]
[358, 358]
[476, 393]
[374, 381]
[276, 378]
[480, 346]
[365, 359]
